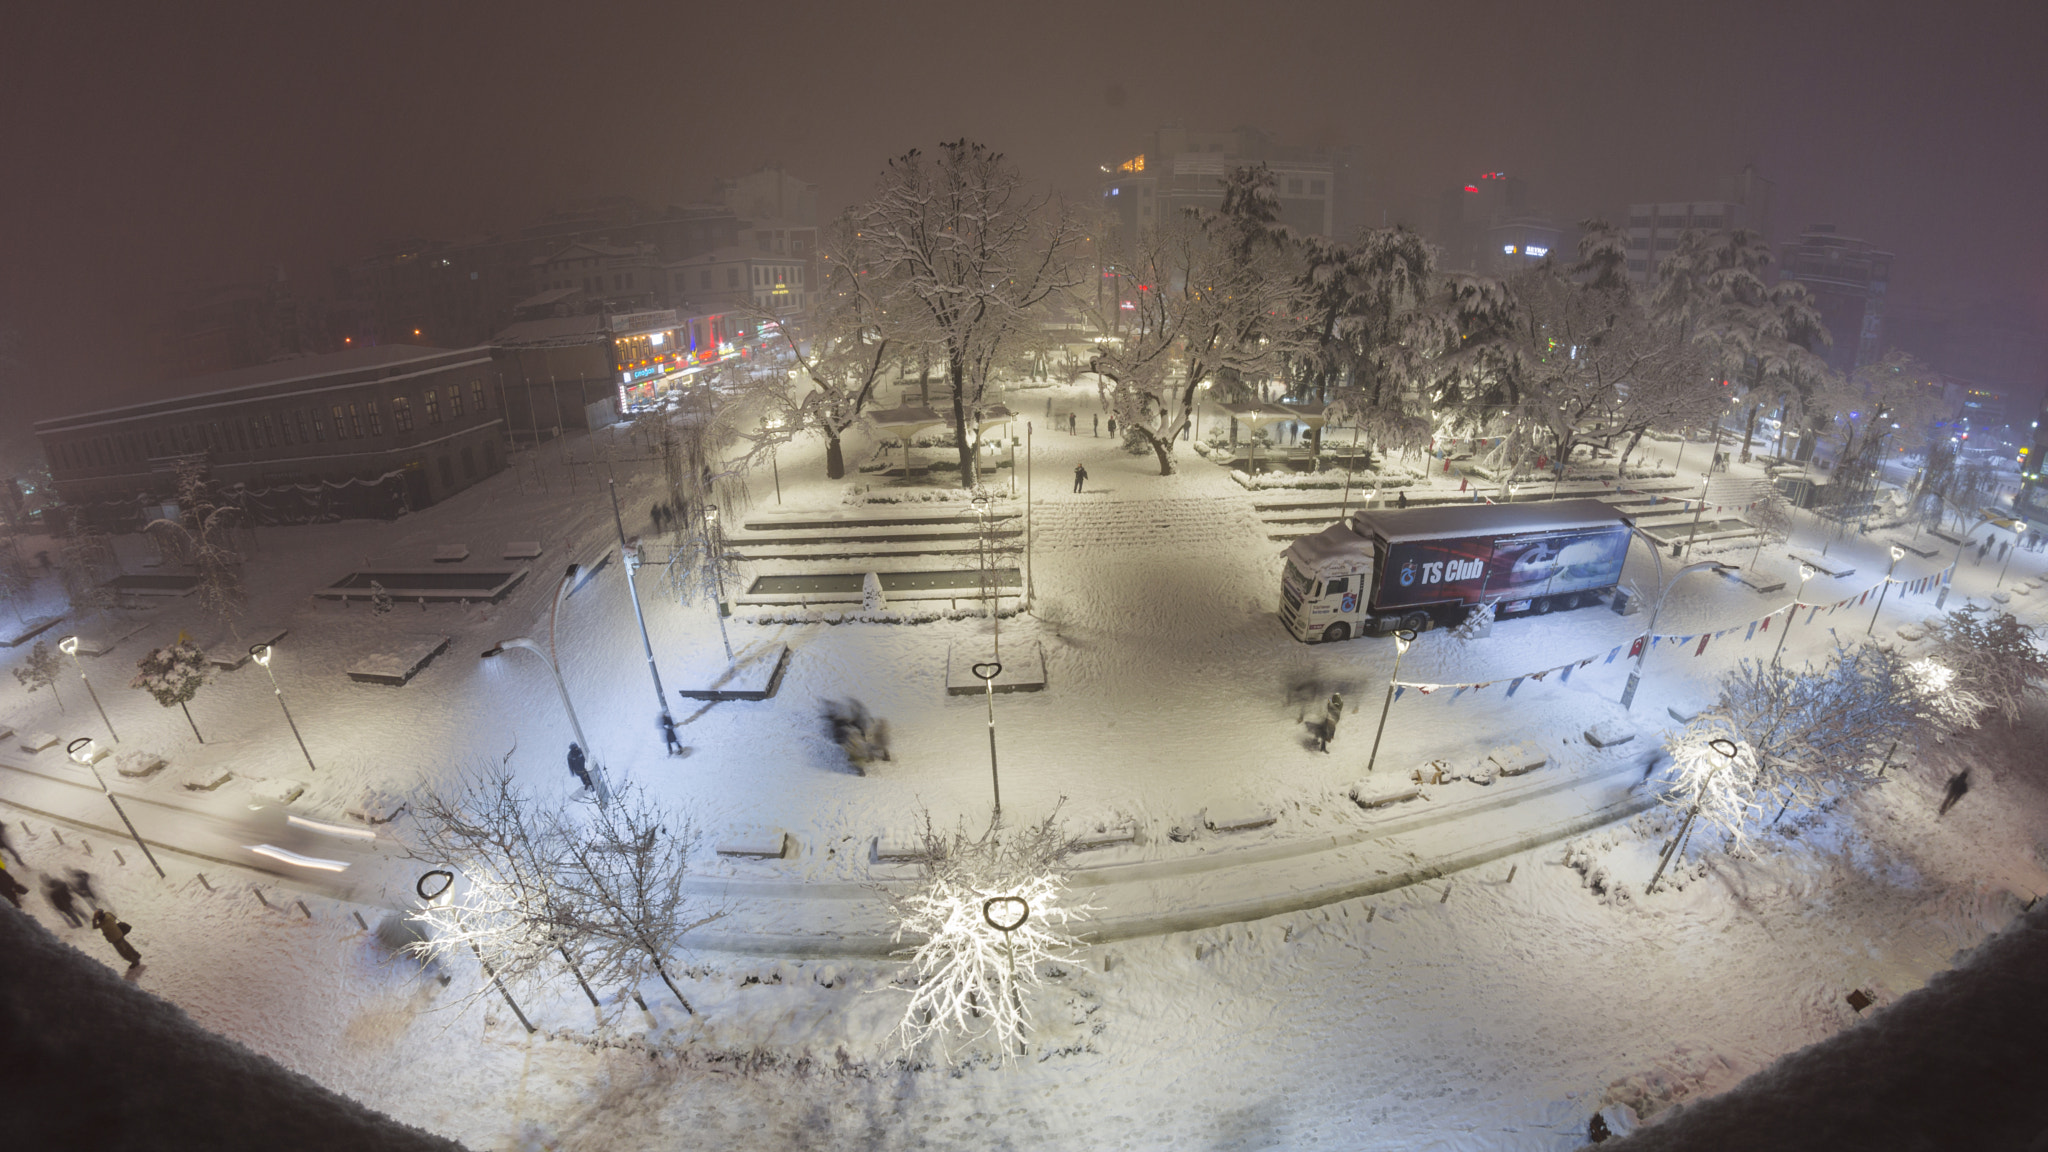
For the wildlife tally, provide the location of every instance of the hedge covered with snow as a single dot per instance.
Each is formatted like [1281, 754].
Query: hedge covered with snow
[884, 616]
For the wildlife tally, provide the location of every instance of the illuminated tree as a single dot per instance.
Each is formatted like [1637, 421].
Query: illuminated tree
[174, 675]
[972, 980]
[40, 671]
[1995, 658]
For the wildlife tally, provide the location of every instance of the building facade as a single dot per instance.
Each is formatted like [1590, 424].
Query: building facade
[364, 432]
[1179, 168]
[1652, 230]
[1848, 278]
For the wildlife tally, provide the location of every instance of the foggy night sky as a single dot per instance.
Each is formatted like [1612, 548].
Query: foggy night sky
[148, 147]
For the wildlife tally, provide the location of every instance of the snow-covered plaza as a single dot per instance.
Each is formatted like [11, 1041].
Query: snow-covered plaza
[1282, 949]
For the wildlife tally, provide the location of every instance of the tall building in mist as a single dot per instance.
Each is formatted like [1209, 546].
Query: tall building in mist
[1321, 191]
[1652, 230]
[1848, 278]
[1492, 225]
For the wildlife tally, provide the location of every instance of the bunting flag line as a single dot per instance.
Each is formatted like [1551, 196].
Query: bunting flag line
[1517, 683]
[1752, 630]
[1565, 676]
[1612, 655]
[1703, 644]
[1398, 689]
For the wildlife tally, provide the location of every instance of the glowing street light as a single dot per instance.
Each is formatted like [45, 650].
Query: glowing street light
[1635, 674]
[714, 539]
[261, 654]
[1806, 572]
[69, 646]
[1402, 639]
[87, 753]
[1727, 749]
[604, 794]
[1898, 554]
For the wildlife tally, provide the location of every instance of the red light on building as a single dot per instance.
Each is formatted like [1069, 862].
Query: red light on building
[1471, 187]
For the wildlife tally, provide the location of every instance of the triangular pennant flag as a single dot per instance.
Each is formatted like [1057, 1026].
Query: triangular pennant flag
[1862, 598]
[1752, 632]
[1398, 689]
[1425, 689]
[1514, 684]
[1636, 648]
[1462, 689]
[1812, 614]
[1654, 641]
[1589, 660]
[1565, 676]
[1538, 676]
[1613, 654]
[1788, 618]
[1703, 644]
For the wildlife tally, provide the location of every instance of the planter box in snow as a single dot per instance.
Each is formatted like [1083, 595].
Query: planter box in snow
[1518, 759]
[1684, 713]
[228, 654]
[521, 550]
[1237, 820]
[1825, 565]
[765, 844]
[451, 553]
[897, 850]
[139, 765]
[28, 630]
[1106, 838]
[1383, 793]
[37, 741]
[397, 665]
[755, 675]
[1608, 733]
[209, 784]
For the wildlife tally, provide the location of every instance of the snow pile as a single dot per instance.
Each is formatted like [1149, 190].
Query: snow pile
[138, 1073]
[1358, 481]
[884, 616]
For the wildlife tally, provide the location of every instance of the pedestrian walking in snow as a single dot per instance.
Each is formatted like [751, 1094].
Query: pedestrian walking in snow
[81, 885]
[1958, 784]
[1983, 549]
[58, 893]
[117, 935]
[1401, 498]
[7, 846]
[2002, 547]
[1333, 712]
[576, 768]
[1080, 476]
[1112, 428]
[1097, 421]
[668, 733]
[1048, 407]
[1073, 424]
[11, 888]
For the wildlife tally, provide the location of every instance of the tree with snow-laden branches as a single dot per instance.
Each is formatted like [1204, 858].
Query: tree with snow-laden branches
[174, 675]
[974, 254]
[40, 671]
[1365, 320]
[1948, 705]
[1207, 288]
[971, 979]
[203, 536]
[1995, 658]
[1803, 735]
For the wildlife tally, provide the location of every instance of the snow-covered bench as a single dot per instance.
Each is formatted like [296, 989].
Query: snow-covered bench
[397, 665]
[1383, 793]
[756, 844]
[1608, 733]
[451, 553]
[139, 765]
[37, 741]
[1237, 819]
[1112, 836]
[1517, 759]
[522, 550]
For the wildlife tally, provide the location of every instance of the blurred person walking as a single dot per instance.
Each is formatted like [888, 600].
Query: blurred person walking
[117, 935]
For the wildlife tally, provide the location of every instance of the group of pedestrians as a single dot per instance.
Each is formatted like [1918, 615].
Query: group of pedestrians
[65, 894]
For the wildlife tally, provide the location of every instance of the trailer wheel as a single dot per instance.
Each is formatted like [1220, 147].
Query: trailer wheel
[1415, 622]
[1541, 607]
[1338, 631]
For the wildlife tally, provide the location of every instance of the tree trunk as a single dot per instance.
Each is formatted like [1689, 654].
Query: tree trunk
[1163, 449]
[1749, 429]
[958, 374]
[835, 458]
[189, 720]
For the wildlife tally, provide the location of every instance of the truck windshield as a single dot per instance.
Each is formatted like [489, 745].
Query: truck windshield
[1293, 579]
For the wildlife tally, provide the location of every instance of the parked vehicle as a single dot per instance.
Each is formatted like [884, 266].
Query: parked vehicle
[1417, 568]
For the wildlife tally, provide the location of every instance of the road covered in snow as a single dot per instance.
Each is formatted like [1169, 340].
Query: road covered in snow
[1474, 967]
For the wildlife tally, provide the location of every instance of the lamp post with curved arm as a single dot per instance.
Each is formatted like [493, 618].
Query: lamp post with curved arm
[261, 654]
[1898, 554]
[1635, 674]
[69, 646]
[1402, 639]
[525, 644]
[84, 751]
[1806, 572]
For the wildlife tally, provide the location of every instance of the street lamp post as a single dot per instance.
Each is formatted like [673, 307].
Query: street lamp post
[773, 427]
[1028, 589]
[1806, 572]
[84, 751]
[604, 794]
[987, 673]
[1727, 748]
[629, 554]
[69, 646]
[1635, 675]
[1402, 639]
[261, 654]
[1898, 554]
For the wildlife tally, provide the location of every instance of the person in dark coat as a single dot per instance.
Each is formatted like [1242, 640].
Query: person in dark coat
[576, 768]
[117, 935]
[1958, 785]
[81, 885]
[1073, 423]
[1112, 427]
[11, 888]
[668, 733]
[1332, 713]
[1080, 476]
[59, 895]
[7, 846]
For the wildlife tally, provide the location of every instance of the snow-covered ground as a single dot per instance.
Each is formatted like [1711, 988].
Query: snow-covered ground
[1472, 1011]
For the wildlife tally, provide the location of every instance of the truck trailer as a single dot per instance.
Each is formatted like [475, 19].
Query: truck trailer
[1417, 568]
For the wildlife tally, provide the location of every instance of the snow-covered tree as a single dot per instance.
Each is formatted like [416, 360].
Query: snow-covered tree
[174, 675]
[1948, 705]
[1994, 657]
[974, 252]
[970, 979]
[621, 887]
[1207, 288]
[504, 906]
[87, 561]
[1364, 321]
[1772, 519]
[17, 585]
[41, 670]
[203, 536]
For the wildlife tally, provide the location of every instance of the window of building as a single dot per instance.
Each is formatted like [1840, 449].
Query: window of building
[401, 414]
[284, 425]
[270, 430]
[1293, 187]
[629, 279]
[732, 277]
[355, 422]
[340, 424]
[454, 402]
[376, 421]
[1316, 187]
[468, 463]
[433, 406]
[217, 439]
[476, 393]
[235, 438]
[319, 427]
[447, 473]
[704, 278]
